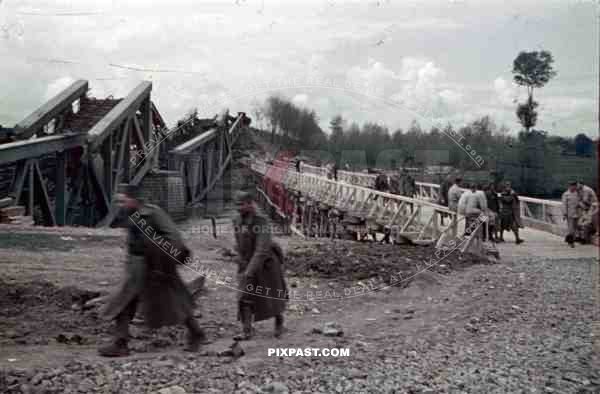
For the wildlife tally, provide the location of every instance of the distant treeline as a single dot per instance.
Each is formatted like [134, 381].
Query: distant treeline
[538, 164]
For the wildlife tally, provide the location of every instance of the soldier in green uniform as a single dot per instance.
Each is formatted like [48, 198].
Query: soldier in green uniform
[510, 213]
[263, 293]
[155, 249]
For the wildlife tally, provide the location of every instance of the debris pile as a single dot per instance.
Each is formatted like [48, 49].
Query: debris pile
[352, 261]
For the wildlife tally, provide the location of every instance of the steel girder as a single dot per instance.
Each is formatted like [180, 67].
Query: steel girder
[203, 159]
[57, 109]
[118, 148]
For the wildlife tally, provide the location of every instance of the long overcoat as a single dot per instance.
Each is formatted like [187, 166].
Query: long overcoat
[262, 286]
[152, 277]
[510, 210]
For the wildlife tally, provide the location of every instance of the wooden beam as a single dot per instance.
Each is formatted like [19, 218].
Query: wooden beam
[410, 219]
[127, 152]
[125, 109]
[193, 144]
[60, 190]
[140, 144]
[31, 190]
[20, 175]
[122, 146]
[75, 193]
[42, 195]
[107, 165]
[28, 149]
[147, 119]
[196, 177]
[97, 186]
[52, 108]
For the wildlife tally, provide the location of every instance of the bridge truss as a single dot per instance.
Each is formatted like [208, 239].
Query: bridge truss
[62, 163]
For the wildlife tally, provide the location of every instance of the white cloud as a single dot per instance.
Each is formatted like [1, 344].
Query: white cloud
[57, 86]
[233, 46]
[506, 92]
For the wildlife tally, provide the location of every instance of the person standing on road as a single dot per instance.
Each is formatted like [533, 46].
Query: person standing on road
[443, 195]
[263, 290]
[151, 276]
[588, 219]
[510, 213]
[492, 204]
[454, 194]
[570, 210]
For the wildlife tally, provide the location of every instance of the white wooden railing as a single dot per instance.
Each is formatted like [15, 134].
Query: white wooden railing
[544, 215]
[417, 219]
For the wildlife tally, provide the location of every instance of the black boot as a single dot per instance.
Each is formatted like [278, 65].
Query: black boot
[248, 331]
[279, 328]
[116, 349]
[196, 335]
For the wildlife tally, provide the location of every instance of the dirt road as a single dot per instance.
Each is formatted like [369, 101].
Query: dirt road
[517, 326]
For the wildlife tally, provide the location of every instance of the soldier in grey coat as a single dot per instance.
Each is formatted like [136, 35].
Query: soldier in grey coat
[571, 211]
[454, 194]
[263, 292]
[588, 220]
[155, 249]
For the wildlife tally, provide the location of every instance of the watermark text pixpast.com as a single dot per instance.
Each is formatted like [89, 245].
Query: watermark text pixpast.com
[308, 352]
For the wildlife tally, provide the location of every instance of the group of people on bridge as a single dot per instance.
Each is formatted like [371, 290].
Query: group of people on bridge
[500, 204]
[400, 183]
[155, 251]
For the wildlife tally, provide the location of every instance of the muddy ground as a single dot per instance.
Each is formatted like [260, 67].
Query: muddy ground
[468, 326]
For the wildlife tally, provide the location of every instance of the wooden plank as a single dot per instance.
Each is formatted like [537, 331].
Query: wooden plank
[122, 111]
[53, 107]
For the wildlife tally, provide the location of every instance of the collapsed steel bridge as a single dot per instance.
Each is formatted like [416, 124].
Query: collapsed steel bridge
[62, 164]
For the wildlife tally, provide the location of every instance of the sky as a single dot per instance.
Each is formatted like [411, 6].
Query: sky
[385, 61]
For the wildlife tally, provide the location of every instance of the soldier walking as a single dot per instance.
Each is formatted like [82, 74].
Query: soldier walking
[510, 213]
[570, 210]
[493, 209]
[588, 219]
[155, 248]
[263, 291]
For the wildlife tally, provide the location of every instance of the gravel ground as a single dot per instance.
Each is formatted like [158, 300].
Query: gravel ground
[521, 326]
